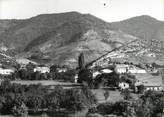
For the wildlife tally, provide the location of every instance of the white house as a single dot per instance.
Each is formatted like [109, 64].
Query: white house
[123, 85]
[153, 88]
[150, 82]
[121, 68]
[106, 71]
[76, 78]
[6, 71]
[135, 70]
[42, 69]
[95, 74]
[62, 70]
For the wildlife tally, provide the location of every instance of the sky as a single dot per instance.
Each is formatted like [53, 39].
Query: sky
[108, 10]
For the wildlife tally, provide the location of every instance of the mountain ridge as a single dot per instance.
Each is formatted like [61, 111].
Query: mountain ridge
[59, 38]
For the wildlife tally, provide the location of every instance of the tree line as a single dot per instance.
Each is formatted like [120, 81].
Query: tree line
[19, 99]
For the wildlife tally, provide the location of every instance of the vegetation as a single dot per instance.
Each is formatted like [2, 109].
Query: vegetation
[19, 99]
[126, 94]
[85, 77]
[150, 104]
[81, 61]
[162, 74]
[28, 74]
[141, 89]
[106, 80]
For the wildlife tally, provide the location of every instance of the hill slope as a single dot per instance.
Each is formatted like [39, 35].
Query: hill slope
[144, 27]
[59, 38]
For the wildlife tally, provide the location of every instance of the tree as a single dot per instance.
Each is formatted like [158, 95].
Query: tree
[150, 104]
[162, 74]
[34, 102]
[20, 110]
[141, 88]
[85, 76]
[81, 61]
[5, 86]
[90, 97]
[126, 94]
[30, 67]
[55, 98]
[110, 80]
[106, 94]
[2, 102]
[53, 68]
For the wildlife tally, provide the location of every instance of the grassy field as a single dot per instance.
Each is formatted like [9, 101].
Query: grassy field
[114, 96]
[149, 80]
[42, 82]
[77, 114]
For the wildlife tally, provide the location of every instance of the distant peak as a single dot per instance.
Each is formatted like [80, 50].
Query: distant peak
[63, 13]
[145, 17]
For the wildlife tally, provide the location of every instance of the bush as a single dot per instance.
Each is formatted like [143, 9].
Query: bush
[105, 79]
[85, 75]
[20, 110]
[105, 108]
[126, 94]
[15, 98]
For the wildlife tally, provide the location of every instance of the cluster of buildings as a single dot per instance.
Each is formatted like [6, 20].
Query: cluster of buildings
[142, 76]
[149, 81]
[42, 69]
[123, 68]
[23, 63]
[5, 71]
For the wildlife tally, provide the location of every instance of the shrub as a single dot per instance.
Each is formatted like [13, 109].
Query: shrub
[20, 110]
[105, 108]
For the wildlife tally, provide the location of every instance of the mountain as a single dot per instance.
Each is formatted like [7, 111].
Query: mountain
[60, 38]
[144, 27]
[46, 25]
[6, 24]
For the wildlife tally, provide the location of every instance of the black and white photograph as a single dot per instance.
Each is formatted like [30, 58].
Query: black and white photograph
[81, 58]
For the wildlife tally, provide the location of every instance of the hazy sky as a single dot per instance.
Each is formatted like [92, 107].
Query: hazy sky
[109, 10]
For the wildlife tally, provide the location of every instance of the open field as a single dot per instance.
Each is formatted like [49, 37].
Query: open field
[77, 114]
[42, 82]
[114, 96]
[149, 80]
[47, 83]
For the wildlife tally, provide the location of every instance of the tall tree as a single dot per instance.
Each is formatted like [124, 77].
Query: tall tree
[81, 61]
[162, 74]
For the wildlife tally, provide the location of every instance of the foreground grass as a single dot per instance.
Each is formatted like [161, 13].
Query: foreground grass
[114, 96]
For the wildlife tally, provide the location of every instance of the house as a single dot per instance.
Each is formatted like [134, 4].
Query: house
[153, 87]
[106, 71]
[150, 82]
[121, 68]
[123, 85]
[94, 74]
[102, 71]
[76, 78]
[6, 71]
[136, 70]
[62, 70]
[42, 69]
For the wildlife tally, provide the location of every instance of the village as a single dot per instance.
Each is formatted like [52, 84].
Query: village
[148, 77]
[117, 77]
[110, 81]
